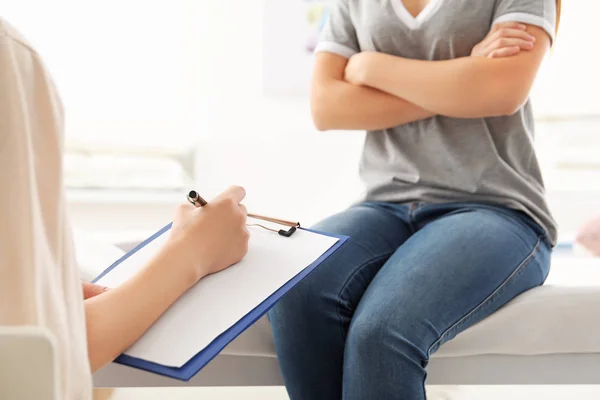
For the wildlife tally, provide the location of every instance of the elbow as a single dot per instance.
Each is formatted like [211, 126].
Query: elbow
[96, 360]
[96, 364]
[320, 115]
[98, 354]
[509, 106]
[320, 121]
[99, 357]
[507, 99]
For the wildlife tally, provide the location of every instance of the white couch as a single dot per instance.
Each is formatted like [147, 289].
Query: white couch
[548, 335]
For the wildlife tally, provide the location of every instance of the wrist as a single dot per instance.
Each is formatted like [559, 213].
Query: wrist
[179, 263]
[370, 68]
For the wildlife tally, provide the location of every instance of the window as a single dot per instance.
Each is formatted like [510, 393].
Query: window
[164, 94]
[132, 94]
[565, 101]
[568, 116]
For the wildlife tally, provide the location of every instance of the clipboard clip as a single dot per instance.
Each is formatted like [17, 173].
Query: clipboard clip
[292, 226]
[197, 200]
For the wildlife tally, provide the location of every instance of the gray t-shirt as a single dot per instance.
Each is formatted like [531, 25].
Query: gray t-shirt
[441, 159]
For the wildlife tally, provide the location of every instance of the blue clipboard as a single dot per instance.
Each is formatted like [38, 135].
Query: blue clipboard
[200, 360]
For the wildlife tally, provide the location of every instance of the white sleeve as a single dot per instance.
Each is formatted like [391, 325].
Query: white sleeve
[541, 13]
[22, 246]
[339, 34]
[36, 260]
[39, 280]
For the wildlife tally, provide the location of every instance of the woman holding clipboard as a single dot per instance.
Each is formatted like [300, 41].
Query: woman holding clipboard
[39, 281]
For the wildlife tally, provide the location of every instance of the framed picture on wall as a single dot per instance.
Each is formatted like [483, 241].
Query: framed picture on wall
[291, 31]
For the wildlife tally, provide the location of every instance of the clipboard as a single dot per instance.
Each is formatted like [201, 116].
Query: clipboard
[204, 356]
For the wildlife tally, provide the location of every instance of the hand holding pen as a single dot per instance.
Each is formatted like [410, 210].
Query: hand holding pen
[197, 200]
[213, 236]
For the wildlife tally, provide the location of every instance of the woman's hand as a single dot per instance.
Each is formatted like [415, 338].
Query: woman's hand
[504, 40]
[90, 290]
[359, 66]
[211, 238]
[201, 241]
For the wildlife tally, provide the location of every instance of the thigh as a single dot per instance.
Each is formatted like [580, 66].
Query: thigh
[452, 273]
[311, 322]
[375, 231]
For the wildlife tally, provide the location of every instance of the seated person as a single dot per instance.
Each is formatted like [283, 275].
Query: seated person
[39, 281]
[455, 222]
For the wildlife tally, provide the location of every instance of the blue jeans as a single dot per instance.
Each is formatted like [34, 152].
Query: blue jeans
[364, 324]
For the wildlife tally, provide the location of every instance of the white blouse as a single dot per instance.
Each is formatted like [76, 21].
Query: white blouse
[39, 280]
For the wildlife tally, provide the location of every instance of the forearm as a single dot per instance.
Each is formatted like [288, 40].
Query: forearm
[340, 105]
[469, 87]
[117, 318]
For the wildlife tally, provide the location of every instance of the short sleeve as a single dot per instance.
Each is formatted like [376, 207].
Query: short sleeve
[339, 34]
[541, 13]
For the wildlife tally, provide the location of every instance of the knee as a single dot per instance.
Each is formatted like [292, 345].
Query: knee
[374, 334]
[367, 332]
[299, 307]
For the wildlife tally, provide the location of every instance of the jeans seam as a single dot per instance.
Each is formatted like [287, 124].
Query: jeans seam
[345, 285]
[490, 298]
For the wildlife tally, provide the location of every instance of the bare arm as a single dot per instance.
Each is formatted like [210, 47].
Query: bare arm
[38, 274]
[469, 87]
[337, 104]
[117, 318]
[37, 271]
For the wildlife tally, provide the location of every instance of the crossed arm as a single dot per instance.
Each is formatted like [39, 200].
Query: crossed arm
[377, 91]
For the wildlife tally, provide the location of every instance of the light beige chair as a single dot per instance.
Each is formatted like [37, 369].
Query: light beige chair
[28, 366]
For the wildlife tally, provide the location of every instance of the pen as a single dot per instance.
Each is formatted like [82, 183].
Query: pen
[197, 200]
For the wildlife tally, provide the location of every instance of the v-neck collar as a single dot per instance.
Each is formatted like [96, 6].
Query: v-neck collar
[419, 20]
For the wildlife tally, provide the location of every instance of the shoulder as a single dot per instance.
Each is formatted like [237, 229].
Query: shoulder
[22, 73]
[351, 5]
[9, 34]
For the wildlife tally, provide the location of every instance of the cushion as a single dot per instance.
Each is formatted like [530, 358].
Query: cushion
[589, 236]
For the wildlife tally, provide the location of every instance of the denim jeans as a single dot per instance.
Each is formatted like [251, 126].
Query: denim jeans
[364, 324]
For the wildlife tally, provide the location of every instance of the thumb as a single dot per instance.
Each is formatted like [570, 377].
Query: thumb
[183, 209]
[91, 290]
[236, 193]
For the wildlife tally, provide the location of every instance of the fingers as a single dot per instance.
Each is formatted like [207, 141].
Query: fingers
[510, 42]
[90, 290]
[508, 33]
[505, 52]
[183, 209]
[234, 193]
[510, 25]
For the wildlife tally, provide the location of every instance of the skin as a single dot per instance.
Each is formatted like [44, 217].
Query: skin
[365, 92]
[116, 318]
[342, 97]
[414, 7]
[476, 87]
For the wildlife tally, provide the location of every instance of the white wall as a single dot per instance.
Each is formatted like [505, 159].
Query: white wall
[266, 144]
[270, 146]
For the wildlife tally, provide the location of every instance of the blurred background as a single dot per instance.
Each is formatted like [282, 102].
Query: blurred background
[164, 96]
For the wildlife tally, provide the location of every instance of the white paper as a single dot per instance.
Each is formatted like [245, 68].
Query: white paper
[218, 301]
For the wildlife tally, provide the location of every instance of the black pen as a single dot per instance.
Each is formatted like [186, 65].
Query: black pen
[197, 200]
